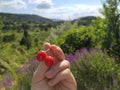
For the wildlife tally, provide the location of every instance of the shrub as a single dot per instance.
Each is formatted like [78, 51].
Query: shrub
[94, 70]
[77, 38]
[8, 38]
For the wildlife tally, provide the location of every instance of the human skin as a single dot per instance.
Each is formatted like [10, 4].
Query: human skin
[56, 77]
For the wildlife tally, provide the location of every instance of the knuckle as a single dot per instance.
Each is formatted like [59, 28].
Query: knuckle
[67, 71]
[66, 63]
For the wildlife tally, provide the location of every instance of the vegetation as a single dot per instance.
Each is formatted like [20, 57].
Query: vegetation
[112, 39]
[91, 44]
[94, 70]
[79, 37]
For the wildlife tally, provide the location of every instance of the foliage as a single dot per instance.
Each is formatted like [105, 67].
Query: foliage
[14, 54]
[25, 21]
[79, 37]
[84, 21]
[8, 38]
[94, 70]
[26, 40]
[58, 31]
[111, 12]
[24, 77]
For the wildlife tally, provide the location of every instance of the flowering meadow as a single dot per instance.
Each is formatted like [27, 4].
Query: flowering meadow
[92, 68]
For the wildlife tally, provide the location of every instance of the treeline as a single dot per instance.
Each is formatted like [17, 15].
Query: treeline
[25, 21]
[22, 21]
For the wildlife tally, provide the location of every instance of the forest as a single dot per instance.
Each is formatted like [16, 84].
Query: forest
[91, 44]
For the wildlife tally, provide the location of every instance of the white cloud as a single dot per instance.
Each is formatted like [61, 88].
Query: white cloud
[39, 1]
[88, 10]
[18, 4]
[70, 12]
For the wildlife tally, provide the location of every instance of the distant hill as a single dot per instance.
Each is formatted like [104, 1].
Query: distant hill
[23, 17]
[36, 18]
[84, 20]
[9, 21]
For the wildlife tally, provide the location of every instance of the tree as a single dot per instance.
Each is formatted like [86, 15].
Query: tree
[26, 40]
[24, 26]
[111, 11]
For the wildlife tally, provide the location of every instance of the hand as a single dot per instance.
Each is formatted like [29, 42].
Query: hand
[56, 77]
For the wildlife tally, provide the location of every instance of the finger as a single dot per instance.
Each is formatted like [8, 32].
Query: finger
[65, 74]
[47, 45]
[61, 65]
[39, 73]
[58, 53]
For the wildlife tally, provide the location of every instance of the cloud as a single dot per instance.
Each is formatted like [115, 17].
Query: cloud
[42, 4]
[87, 10]
[18, 4]
[71, 12]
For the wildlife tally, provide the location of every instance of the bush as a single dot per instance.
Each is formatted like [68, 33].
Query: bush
[94, 70]
[77, 38]
[8, 38]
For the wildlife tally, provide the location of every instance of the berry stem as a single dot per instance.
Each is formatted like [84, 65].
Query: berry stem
[47, 50]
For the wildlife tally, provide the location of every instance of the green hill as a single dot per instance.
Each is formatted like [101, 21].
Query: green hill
[86, 21]
[10, 21]
[23, 17]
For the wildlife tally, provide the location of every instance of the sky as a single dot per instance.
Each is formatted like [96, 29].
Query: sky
[53, 9]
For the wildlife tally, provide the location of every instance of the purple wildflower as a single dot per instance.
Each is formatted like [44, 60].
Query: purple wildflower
[83, 51]
[28, 67]
[19, 70]
[7, 82]
[91, 50]
[71, 58]
[77, 54]
[32, 61]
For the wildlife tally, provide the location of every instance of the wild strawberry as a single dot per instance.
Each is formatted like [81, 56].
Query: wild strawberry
[49, 61]
[41, 55]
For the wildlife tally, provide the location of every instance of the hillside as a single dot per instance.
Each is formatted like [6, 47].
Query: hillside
[86, 21]
[22, 17]
[10, 21]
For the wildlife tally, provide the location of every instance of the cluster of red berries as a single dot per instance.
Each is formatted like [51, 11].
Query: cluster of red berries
[42, 56]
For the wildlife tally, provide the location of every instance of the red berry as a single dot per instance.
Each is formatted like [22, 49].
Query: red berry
[49, 61]
[41, 55]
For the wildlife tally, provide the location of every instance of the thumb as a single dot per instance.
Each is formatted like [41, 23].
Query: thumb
[41, 69]
[39, 73]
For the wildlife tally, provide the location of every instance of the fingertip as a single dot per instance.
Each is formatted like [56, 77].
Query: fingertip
[47, 45]
[53, 46]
